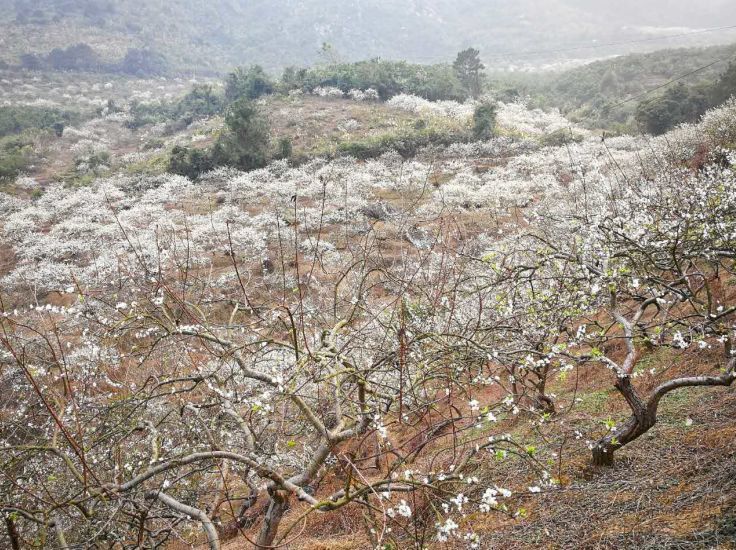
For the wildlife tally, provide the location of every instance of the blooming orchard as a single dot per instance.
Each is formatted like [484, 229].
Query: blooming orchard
[234, 357]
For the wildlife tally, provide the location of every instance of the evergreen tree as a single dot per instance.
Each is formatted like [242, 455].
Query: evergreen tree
[469, 70]
[245, 143]
[484, 121]
[725, 87]
[249, 83]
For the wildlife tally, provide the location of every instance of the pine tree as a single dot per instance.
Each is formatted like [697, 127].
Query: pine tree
[469, 70]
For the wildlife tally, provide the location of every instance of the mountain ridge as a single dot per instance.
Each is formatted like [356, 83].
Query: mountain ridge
[222, 33]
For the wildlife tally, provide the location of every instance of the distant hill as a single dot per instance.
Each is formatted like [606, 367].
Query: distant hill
[594, 94]
[218, 34]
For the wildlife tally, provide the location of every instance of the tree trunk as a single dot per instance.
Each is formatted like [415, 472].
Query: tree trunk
[542, 401]
[602, 456]
[632, 429]
[276, 508]
[12, 533]
[643, 417]
[247, 504]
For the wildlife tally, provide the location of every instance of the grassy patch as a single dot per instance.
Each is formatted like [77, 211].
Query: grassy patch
[594, 402]
[675, 406]
[16, 155]
[157, 164]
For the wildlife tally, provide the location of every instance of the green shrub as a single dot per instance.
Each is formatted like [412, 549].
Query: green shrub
[15, 156]
[246, 141]
[142, 62]
[80, 57]
[469, 70]
[725, 87]
[190, 162]
[284, 148]
[484, 121]
[142, 114]
[201, 102]
[676, 105]
[406, 143]
[250, 83]
[560, 137]
[388, 78]
[15, 120]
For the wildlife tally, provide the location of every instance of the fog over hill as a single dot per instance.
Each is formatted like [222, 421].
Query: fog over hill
[221, 33]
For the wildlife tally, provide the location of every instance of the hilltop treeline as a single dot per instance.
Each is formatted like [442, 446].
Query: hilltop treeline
[388, 78]
[371, 80]
[44, 12]
[82, 57]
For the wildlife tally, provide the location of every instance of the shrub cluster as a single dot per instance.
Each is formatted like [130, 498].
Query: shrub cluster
[388, 78]
[245, 143]
[15, 155]
[18, 124]
[201, 102]
[17, 119]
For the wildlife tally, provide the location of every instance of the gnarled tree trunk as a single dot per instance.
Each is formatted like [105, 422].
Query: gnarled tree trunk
[641, 420]
[644, 414]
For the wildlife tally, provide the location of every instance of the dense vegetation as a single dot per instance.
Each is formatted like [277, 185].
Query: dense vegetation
[19, 125]
[388, 78]
[16, 154]
[588, 94]
[246, 149]
[201, 102]
[681, 103]
[15, 120]
[81, 57]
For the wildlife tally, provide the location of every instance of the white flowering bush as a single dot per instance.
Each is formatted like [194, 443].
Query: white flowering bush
[535, 122]
[349, 125]
[363, 95]
[629, 251]
[328, 92]
[421, 106]
[719, 123]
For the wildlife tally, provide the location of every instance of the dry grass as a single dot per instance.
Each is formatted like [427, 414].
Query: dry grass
[673, 488]
[316, 124]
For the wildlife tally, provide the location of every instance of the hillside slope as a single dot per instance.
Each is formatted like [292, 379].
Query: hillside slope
[596, 94]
